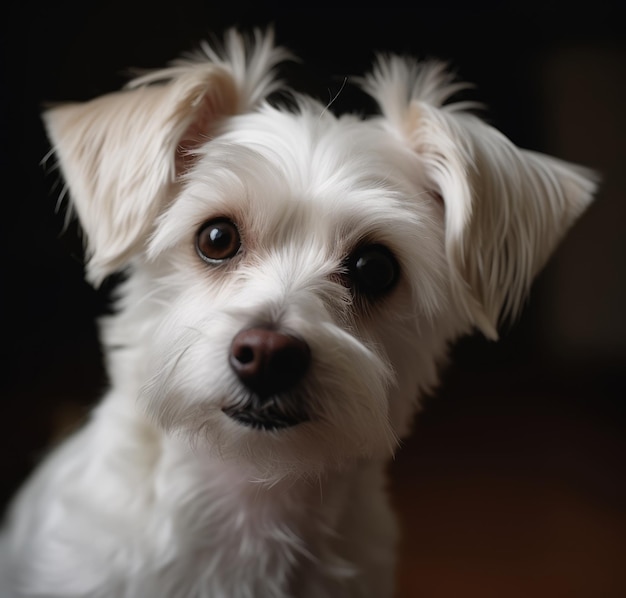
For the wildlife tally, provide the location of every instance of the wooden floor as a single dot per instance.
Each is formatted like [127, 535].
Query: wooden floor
[512, 502]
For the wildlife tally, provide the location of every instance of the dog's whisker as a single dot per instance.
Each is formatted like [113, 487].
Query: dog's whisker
[333, 98]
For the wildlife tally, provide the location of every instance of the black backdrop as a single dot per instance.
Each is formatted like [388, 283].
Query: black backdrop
[57, 51]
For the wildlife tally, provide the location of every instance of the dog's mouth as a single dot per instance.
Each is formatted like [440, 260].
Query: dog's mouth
[267, 414]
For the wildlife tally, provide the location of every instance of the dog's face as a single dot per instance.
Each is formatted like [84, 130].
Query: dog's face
[295, 277]
[293, 308]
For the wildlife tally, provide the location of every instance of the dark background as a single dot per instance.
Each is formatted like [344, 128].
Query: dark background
[513, 483]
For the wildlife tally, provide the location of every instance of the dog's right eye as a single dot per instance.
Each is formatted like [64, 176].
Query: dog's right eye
[217, 240]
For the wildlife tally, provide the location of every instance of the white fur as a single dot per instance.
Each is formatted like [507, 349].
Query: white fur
[162, 495]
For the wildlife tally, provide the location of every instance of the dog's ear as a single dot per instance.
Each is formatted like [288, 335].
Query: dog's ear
[122, 154]
[505, 208]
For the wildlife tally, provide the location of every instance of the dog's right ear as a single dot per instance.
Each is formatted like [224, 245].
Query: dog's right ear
[121, 154]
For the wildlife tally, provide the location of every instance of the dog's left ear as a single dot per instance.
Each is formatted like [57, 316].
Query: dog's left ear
[505, 208]
[122, 154]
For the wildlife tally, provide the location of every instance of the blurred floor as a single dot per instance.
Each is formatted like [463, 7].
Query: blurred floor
[512, 496]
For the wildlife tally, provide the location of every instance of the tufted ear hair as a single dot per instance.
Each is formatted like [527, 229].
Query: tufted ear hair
[121, 154]
[505, 208]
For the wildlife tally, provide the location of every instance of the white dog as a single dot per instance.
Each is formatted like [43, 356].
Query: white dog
[294, 281]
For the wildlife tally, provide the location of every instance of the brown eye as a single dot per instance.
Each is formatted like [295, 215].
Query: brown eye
[373, 270]
[217, 240]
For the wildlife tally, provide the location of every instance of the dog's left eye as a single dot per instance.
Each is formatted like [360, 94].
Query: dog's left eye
[373, 269]
[217, 240]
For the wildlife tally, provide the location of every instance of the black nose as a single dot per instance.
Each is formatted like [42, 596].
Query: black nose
[268, 362]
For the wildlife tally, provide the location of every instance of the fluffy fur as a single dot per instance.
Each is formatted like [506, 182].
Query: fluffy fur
[162, 494]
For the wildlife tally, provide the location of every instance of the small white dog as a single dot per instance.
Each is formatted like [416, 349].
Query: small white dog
[295, 279]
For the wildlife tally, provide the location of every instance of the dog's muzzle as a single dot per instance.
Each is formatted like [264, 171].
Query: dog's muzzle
[269, 363]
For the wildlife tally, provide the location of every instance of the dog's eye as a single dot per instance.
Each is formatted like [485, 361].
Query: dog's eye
[217, 240]
[373, 269]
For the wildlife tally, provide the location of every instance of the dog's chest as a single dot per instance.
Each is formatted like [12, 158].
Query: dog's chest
[181, 525]
[215, 531]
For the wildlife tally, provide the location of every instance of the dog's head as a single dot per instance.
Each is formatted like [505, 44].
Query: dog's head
[295, 277]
